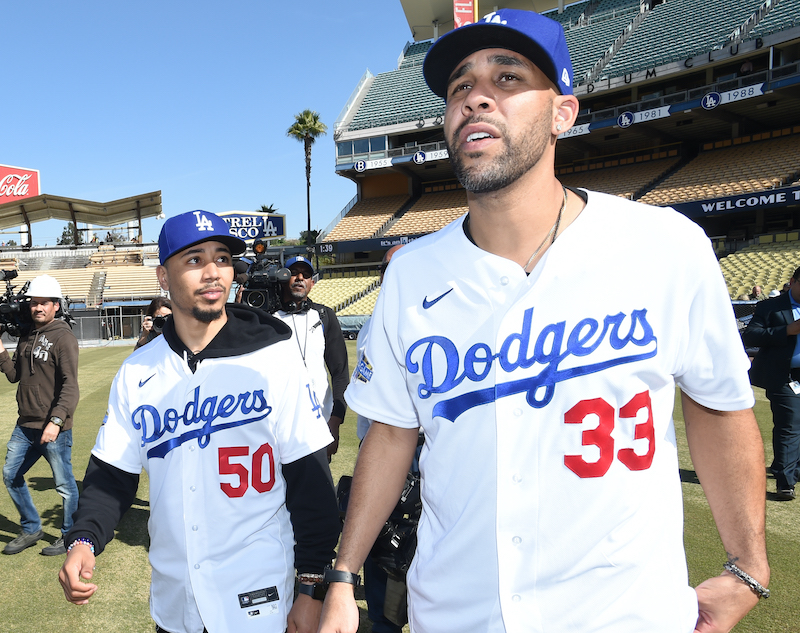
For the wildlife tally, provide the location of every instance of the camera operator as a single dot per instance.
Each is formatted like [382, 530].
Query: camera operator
[158, 310]
[319, 337]
[45, 364]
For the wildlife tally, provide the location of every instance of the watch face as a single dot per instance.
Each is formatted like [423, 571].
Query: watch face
[57, 421]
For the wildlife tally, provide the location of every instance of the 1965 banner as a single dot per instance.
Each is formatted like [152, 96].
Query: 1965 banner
[255, 225]
[18, 183]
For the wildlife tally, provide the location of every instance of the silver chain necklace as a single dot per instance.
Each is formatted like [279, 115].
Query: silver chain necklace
[553, 231]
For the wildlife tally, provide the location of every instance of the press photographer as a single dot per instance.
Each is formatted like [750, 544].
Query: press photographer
[155, 317]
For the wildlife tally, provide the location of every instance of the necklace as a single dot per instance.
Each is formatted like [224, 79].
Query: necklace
[297, 337]
[553, 231]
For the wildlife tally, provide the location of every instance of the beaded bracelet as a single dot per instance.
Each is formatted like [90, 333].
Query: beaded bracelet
[81, 541]
[757, 587]
[309, 578]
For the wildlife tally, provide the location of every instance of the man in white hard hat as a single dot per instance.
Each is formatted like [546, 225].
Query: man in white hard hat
[45, 364]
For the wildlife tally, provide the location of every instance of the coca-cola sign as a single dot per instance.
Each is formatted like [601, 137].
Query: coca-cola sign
[17, 183]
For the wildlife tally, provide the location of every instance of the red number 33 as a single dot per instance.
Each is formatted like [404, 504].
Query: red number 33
[601, 436]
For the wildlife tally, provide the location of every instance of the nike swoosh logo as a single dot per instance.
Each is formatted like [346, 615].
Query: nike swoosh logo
[427, 304]
[142, 383]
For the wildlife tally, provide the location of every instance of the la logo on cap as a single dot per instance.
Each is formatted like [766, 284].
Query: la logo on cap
[203, 223]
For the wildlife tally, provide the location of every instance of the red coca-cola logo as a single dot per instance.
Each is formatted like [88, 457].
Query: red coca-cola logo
[17, 183]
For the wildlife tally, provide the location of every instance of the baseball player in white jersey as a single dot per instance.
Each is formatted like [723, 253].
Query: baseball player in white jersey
[219, 411]
[551, 496]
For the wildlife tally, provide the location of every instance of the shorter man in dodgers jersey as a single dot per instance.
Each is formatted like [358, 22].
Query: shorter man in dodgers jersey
[219, 411]
[550, 488]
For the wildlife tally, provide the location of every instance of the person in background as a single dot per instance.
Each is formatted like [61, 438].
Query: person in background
[45, 364]
[159, 309]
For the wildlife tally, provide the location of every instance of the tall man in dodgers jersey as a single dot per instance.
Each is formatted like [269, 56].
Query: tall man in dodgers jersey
[550, 488]
[219, 411]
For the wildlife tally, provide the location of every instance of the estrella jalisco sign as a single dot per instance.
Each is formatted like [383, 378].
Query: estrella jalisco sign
[255, 225]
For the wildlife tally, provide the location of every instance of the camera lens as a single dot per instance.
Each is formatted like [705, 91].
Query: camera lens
[158, 323]
[255, 298]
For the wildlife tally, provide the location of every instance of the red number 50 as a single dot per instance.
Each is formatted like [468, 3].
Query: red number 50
[240, 470]
[601, 436]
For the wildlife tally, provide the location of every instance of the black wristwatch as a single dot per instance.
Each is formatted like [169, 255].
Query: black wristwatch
[336, 575]
[316, 591]
[57, 421]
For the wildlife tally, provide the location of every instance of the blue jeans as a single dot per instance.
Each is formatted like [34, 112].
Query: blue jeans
[24, 450]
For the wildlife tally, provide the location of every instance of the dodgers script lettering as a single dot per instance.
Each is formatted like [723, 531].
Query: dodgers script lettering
[552, 347]
[200, 415]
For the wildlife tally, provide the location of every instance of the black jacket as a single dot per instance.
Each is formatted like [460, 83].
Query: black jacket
[767, 331]
[108, 492]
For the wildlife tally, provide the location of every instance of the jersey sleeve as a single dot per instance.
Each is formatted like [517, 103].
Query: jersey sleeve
[301, 428]
[378, 387]
[116, 442]
[712, 367]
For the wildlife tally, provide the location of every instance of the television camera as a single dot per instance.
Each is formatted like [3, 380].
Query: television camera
[261, 278]
[15, 312]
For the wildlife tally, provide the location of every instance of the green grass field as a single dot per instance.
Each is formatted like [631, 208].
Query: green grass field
[31, 600]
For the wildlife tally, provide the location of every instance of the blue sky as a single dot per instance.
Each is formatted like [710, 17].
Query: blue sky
[109, 100]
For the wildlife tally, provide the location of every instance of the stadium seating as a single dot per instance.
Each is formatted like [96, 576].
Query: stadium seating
[769, 265]
[364, 305]
[399, 96]
[430, 213]
[128, 283]
[674, 31]
[743, 167]
[618, 177]
[784, 15]
[366, 218]
[340, 291]
[75, 283]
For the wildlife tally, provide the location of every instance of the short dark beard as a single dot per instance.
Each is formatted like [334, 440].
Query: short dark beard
[206, 316]
[515, 161]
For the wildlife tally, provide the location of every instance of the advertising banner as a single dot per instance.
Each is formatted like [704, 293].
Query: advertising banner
[17, 183]
[255, 225]
[463, 12]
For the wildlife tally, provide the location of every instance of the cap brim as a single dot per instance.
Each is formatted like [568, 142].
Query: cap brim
[452, 48]
[236, 246]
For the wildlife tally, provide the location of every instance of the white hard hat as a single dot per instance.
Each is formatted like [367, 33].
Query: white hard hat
[44, 286]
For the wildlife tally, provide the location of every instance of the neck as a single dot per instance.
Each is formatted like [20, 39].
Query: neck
[514, 221]
[195, 334]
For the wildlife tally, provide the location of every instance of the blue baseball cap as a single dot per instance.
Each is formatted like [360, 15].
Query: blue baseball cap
[190, 228]
[538, 38]
[299, 260]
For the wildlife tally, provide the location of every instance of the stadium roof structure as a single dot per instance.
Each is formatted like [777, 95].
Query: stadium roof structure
[422, 14]
[106, 214]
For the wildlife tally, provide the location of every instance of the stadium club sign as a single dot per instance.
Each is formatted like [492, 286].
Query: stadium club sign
[17, 183]
[255, 225]
[771, 199]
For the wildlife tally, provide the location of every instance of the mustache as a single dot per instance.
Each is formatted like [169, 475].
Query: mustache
[210, 287]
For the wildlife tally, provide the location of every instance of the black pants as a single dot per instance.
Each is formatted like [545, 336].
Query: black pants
[785, 405]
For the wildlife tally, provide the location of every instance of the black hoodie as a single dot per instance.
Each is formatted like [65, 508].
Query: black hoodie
[108, 491]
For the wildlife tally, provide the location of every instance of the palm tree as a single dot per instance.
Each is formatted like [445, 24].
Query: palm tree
[306, 128]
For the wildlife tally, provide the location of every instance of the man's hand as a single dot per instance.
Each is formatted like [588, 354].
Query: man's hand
[793, 329]
[50, 433]
[723, 601]
[333, 424]
[147, 324]
[340, 611]
[78, 565]
[304, 616]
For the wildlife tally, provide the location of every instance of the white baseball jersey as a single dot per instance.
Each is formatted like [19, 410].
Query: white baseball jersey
[309, 337]
[551, 494]
[362, 423]
[213, 442]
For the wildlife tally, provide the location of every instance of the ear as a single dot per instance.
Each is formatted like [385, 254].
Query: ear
[565, 109]
[163, 277]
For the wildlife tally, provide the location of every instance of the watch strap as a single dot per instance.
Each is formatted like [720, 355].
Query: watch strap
[57, 421]
[316, 591]
[337, 575]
